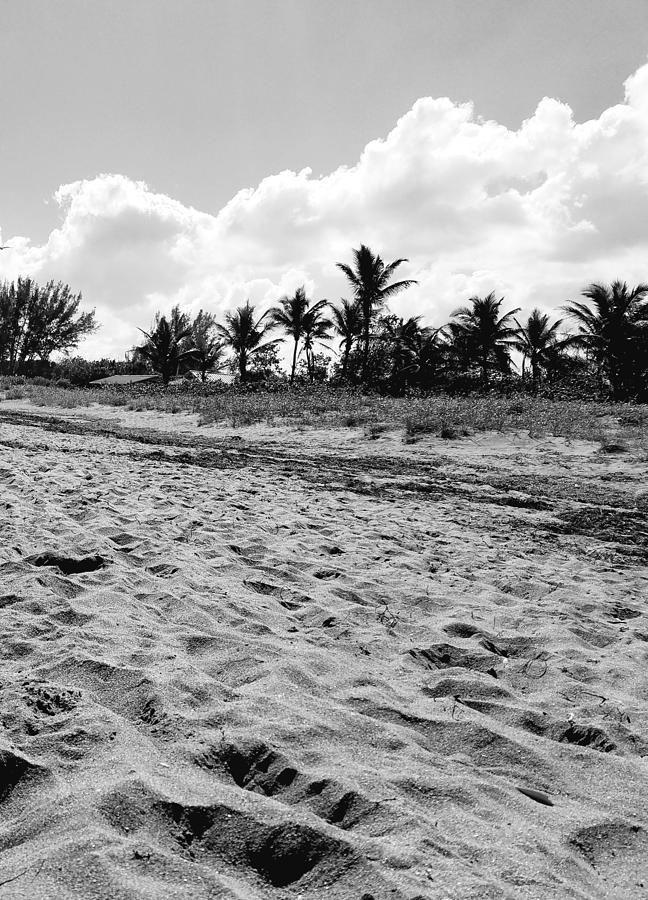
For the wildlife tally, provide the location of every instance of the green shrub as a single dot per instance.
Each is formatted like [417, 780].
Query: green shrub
[325, 405]
[375, 429]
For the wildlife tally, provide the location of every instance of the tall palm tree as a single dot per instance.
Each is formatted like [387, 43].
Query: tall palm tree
[245, 335]
[613, 331]
[538, 343]
[370, 280]
[207, 349]
[167, 344]
[347, 322]
[315, 329]
[487, 337]
[289, 316]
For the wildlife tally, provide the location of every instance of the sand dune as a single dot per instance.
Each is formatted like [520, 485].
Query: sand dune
[282, 664]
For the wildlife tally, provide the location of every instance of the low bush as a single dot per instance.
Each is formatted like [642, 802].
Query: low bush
[330, 406]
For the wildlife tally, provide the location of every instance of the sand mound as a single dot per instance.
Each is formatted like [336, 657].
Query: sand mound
[313, 665]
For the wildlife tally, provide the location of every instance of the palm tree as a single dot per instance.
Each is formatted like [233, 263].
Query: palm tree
[485, 336]
[418, 350]
[613, 331]
[181, 326]
[245, 335]
[289, 315]
[430, 354]
[403, 336]
[538, 343]
[315, 328]
[459, 349]
[207, 350]
[370, 280]
[166, 344]
[347, 322]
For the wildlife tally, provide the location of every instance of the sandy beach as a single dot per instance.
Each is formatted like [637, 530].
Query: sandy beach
[304, 663]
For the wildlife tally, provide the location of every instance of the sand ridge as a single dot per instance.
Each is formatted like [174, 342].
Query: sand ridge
[272, 664]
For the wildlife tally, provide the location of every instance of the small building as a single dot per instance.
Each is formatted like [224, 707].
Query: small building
[126, 380]
[210, 377]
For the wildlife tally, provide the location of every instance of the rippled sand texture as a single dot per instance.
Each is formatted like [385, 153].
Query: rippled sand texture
[310, 664]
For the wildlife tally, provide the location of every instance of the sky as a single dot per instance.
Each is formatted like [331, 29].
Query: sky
[204, 152]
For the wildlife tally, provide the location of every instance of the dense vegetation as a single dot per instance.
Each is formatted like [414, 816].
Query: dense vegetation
[598, 350]
[616, 426]
[606, 355]
[36, 322]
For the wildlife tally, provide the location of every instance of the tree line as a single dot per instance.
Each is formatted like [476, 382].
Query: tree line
[607, 349]
[609, 345]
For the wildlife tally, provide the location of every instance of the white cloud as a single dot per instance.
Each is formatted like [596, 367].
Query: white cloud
[534, 214]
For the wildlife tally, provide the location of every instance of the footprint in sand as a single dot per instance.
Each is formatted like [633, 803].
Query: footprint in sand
[257, 767]
[68, 565]
[286, 597]
[18, 773]
[162, 570]
[225, 839]
[618, 853]
[446, 656]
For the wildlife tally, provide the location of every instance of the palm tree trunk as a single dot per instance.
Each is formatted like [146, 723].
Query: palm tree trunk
[243, 365]
[616, 380]
[599, 375]
[294, 361]
[345, 357]
[627, 368]
[484, 368]
[365, 351]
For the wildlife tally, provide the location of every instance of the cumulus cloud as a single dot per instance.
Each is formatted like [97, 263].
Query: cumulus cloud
[533, 214]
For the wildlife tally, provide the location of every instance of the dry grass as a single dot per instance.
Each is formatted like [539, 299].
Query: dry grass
[449, 417]
[15, 393]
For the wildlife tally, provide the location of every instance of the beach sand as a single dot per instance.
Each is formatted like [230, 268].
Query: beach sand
[285, 662]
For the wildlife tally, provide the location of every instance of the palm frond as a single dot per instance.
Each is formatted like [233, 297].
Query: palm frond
[391, 289]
